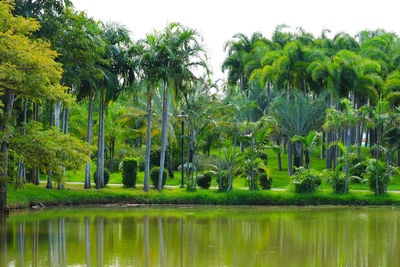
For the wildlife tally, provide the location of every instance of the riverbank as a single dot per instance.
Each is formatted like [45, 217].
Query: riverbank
[34, 195]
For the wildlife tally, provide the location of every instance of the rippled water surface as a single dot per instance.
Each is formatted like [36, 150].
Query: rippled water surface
[202, 236]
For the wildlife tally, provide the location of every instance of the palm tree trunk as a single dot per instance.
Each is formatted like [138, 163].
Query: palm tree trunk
[346, 182]
[377, 161]
[5, 128]
[163, 134]
[49, 184]
[100, 149]
[89, 140]
[219, 162]
[298, 154]
[36, 173]
[323, 146]
[57, 111]
[233, 157]
[252, 163]
[102, 143]
[358, 139]
[21, 173]
[279, 156]
[148, 141]
[329, 150]
[197, 163]
[289, 156]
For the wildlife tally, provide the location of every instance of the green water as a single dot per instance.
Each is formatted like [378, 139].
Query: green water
[202, 236]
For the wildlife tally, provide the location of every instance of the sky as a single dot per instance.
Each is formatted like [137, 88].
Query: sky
[219, 20]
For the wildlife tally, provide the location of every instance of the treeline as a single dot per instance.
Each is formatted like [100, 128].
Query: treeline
[90, 81]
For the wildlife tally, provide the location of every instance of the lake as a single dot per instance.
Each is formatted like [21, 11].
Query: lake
[202, 236]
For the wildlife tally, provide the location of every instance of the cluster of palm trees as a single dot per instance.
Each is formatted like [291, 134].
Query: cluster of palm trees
[295, 78]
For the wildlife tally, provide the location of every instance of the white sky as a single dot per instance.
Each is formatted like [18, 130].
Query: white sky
[219, 20]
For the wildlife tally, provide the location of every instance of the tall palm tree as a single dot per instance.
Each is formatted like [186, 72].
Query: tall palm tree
[184, 52]
[117, 75]
[150, 63]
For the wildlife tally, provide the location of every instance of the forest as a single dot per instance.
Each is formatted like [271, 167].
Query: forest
[82, 101]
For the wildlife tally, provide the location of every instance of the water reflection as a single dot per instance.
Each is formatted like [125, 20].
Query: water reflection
[202, 237]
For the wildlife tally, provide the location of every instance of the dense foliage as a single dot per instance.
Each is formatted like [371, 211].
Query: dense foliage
[288, 96]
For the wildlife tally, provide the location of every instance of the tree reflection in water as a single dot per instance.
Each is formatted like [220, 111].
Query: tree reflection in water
[204, 237]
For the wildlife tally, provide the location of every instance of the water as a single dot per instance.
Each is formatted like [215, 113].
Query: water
[202, 236]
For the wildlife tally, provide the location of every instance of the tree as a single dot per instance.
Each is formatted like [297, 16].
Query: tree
[28, 69]
[237, 49]
[117, 75]
[150, 64]
[298, 115]
[184, 53]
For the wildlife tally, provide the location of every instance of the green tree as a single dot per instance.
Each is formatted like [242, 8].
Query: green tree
[28, 69]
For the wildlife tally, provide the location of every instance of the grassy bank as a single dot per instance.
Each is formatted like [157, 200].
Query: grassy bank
[33, 195]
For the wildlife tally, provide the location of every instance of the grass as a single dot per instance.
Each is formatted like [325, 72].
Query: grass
[33, 195]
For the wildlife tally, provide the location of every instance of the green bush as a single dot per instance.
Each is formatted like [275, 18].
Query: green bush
[357, 168]
[155, 174]
[106, 176]
[337, 179]
[384, 175]
[204, 180]
[304, 183]
[129, 172]
[264, 180]
[112, 166]
[338, 185]
[155, 157]
[225, 176]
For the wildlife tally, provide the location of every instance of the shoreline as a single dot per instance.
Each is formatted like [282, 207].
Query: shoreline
[31, 196]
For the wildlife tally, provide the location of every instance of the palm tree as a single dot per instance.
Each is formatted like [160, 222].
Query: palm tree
[298, 115]
[150, 64]
[182, 52]
[117, 74]
[235, 63]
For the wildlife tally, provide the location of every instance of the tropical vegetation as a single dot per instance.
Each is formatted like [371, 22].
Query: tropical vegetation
[78, 95]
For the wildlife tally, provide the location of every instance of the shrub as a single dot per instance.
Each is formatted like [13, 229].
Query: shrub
[264, 180]
[204, 180]
[106, 176]
[384, 175]
[337, 179]
[225, 175]
[357, 168]
[129, 172]
[112, 166]
[155, 174]
[305, 183]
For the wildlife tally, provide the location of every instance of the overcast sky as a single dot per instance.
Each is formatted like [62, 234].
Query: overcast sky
[219, 20]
